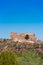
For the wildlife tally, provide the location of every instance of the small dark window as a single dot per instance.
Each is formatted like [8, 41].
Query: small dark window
[26, 36]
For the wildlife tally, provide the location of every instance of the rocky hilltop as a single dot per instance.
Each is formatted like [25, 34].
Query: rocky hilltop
[20, 42]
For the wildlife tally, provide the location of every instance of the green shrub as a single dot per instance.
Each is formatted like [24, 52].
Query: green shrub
[30, 58]
[8, 58]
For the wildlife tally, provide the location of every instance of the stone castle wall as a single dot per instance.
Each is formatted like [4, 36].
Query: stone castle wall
[21, 37]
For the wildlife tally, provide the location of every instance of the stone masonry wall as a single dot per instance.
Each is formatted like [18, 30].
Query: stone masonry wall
[21, 37]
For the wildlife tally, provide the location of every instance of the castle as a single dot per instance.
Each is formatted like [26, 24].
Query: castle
[23, 37]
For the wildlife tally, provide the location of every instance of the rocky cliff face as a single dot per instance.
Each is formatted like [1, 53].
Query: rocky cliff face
[23, 37]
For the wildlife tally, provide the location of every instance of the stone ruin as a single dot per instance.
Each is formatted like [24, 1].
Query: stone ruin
[23, 37]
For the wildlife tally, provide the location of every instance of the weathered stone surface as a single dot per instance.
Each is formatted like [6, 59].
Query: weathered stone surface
[21, 37]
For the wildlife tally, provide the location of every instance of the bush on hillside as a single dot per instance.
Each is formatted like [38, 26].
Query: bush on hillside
[8, 58]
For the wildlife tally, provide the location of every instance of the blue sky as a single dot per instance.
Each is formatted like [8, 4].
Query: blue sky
[21, 16]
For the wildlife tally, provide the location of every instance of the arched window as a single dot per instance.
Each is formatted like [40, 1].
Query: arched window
[26, 36]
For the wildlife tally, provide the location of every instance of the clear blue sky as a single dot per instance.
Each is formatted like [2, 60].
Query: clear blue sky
[21, 16]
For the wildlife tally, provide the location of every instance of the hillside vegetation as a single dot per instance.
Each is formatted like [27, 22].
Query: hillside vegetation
[24, 58]
[8, 58]
[20, 53]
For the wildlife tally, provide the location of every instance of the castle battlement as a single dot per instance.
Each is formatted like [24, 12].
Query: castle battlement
[23, 37]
